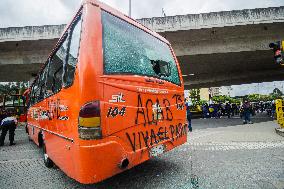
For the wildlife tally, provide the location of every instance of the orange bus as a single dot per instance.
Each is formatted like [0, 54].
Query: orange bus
[109, 97]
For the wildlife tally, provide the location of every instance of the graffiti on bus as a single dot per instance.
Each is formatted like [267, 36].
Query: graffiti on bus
[161, 110]
[149, 138]
[55, 110]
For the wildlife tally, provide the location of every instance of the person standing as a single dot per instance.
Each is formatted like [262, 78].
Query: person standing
[228, 109]
[215, 110]
[188, 117]
[273, 109]
[246, 112]
[8, 124]
[211, 110]
[234, 109]
[205, 111]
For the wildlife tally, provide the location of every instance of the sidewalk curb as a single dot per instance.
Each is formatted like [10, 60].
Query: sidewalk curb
[280, 131]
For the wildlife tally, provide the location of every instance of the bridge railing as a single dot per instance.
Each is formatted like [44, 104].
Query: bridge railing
[279, 112]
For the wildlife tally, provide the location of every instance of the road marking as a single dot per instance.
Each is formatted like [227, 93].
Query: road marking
[221, 146]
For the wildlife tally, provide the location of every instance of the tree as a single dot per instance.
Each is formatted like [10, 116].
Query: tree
[194, 95]
[224, 99]
[276, 94]
[277, 91]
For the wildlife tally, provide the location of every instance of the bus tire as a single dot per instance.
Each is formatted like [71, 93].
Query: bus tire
[29, 137]
[40, 140]
[47, 161]
[27, 131]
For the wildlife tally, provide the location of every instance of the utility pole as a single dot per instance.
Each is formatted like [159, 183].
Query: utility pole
[129, 14]
[163, 13]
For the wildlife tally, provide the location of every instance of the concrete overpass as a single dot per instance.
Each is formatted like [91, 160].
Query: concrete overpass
[214, 49]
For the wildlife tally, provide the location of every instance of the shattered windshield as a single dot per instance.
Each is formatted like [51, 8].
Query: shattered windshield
[130, 50]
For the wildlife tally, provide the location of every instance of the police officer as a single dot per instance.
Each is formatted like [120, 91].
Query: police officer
[188, 114]
[8, 124]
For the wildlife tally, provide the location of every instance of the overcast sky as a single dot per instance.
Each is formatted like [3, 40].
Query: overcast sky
[46, 12]
[260, 88]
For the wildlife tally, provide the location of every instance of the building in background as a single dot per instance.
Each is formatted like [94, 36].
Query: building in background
[226, 90]
[204, 94]
[214, 91]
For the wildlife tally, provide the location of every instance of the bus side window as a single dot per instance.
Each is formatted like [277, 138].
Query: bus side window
[57, 79]
[55, 69]
[42, 81]
[72, 57]
[36, 90]
[31, 101]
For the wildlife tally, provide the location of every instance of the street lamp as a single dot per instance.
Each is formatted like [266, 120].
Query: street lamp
[129, 14]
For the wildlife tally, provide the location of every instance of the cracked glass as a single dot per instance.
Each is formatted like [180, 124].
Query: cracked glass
[132, 51]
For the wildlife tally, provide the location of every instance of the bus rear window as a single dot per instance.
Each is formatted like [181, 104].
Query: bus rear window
[130, 50]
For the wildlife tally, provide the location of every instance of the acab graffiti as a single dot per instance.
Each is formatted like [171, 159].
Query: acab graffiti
[157, 113]
[161, 110]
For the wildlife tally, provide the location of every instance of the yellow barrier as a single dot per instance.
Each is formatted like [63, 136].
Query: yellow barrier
[279, 112]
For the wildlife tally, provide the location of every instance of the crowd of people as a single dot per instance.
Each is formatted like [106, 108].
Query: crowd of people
[244, 110]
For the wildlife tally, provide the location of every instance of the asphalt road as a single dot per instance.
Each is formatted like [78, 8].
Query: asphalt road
[219, 154]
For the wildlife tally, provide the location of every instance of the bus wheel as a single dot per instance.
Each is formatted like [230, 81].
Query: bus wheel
[47, 161]
[27, 131]
[40, 140]
[29, 137]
